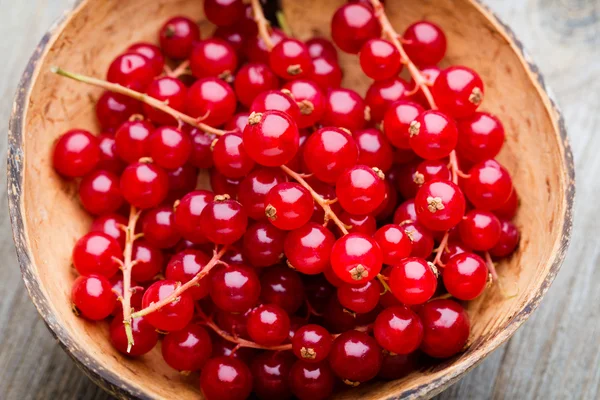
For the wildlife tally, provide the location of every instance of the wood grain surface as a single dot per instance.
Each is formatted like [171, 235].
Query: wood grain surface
[554, 355]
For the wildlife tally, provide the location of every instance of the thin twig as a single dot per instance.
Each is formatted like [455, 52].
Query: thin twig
[214, 261]
[262, 23]
[325, 204]
[144, 98]
[127, 266]
[440, 251]
[181, 69]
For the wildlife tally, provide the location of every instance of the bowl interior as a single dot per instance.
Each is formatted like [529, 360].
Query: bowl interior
[52, 219]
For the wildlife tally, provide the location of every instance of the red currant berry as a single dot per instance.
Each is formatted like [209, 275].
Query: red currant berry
[131, 140]
[187, 349]
[112, 109]
[254, 188]
[421, 238]
[321, 47]
[352, 25]
[308, 248]
[397, 366]
[453, 249]
[329, 152]
[310, 99]
[424, 43]
[99, 192]
[131, 70]
[458, 91]
[380, 60]
[413, 280]
[356, 258]
[255, 48]
[311, 381]
[480, 230]
[271, 138]
[326, 73]
[374, 149]
[397, 121]
[149, 261]
[481, 137]
[187, 215]
[398, 330]
[223, 221]
[177, 37]
[225, 378]
[169, 147]
[276, 100]
[360, 298]
[158, 226]
[173, 316]
[268, 325]
[238, 122]
[234, 289]
[405, 212]
[445, 326]
[169, 90]
[253, 79]
[465, 276]
[271, 371]
[213, 58]
[234, 36]
[93, 297]
[509, 209]
[152, 53]
[382, 94]
[311, 343]
[111, 225]
[440, 205]
[224, 12]
[289, 206]
[358, 223]
[360, 189]
[283, 287]
[144, 185]
[509, 239]
[97, 253]
[429, 170]
[355, 357]
[231, 157]
[395, 244]
[109, 161]
[145, 336]
[345, 109]
[290, 59]
[432, 135]
[212, 100]
[76, 153]
[184, 266]
[489, 185]
[263, 244]
[429, 74]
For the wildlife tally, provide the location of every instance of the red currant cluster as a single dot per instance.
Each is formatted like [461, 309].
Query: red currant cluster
[318, 235]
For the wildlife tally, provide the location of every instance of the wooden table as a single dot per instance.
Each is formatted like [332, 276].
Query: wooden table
[556, 354]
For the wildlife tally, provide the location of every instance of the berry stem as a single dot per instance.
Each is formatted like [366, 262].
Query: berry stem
[263, 24]
[214, 261]
[440, 251]
[181, 69]
[325, 204]
[491, 266]
[240, 342]
[127, 266]
[144, 98]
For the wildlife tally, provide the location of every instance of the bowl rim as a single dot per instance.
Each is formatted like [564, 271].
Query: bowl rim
[110, 381]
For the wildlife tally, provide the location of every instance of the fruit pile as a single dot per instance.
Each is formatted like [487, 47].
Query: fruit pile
[312, 260]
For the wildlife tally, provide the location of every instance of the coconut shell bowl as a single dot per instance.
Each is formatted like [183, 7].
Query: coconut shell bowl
[47, 217]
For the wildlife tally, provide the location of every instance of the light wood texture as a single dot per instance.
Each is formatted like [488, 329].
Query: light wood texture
[554, 355]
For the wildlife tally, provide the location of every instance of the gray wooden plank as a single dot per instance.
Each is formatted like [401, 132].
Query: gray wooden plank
[555, 355]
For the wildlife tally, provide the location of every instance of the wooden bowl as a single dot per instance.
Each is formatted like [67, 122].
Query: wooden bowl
[47, 218]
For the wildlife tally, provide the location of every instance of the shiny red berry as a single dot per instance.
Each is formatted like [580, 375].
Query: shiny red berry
[283, 287]
[488, 186]
[290, 59]
[131, 140]
[424, 43]
[374, 149]
[76, 153]
[184, 266]
[169, 147]
[144, 185]
[97, 253]
[99, 192]
[271, 372]
[112, 109]
[355, 357]
[152, 53]
[169, 90]
[131, 70]
[360, 189]
[93, 297]
[224, 12]
[326, 73]
[308, 248]
[145, 336]
[382, 94]
[175, 315]
[465, 276]
[187, 349]
[254, 188]
[311, 343]
[481, 137]
[352, 25]
[149, 261]
[432, 135]
[398, 330]
[111, 225]
[458, 91]
[214, 57]
[509, 239]
[445, 326]
[255, 48]
[356, 258]
[380, 59]
[212, 100]
[311, 381]
[310, 99]
[271, 138]
[231, 157]
[345, 109]
[109, 160]
[395, 244]
[480, 230]
[253, 79]
[321, 47]
[329, 152]
[421, 238]
[440, 205]
[177, 37]
[397, 121]
[158, 226]
[288, 206]
[413, 281]
[360, 298]
[268, 325]
[187, 215]
[358, 223]
[223, 221]
[234, 289]
[263, 244]
[225, 378]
